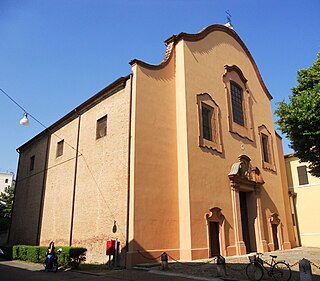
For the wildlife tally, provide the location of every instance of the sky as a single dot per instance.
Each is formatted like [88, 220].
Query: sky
[55, 54]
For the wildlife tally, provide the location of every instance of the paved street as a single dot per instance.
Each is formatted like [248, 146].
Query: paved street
[20, 271]
[201, 270]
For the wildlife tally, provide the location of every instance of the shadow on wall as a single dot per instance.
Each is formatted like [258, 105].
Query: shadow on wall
[271, 209]
[138, 255]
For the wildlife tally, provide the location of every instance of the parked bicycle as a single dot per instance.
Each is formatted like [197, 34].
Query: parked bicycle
[280, 270]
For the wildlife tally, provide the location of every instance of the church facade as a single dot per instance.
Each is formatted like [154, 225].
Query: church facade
[180, 157]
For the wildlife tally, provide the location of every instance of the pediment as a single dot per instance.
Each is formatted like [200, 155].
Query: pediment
[242, 171]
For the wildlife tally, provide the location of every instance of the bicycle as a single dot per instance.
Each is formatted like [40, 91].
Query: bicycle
[280, 270]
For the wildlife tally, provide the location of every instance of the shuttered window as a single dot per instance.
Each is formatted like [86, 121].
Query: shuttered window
[101, 127]
[60, 146]
[302, 175]
[32, 159]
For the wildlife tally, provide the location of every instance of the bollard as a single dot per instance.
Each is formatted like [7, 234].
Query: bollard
[305, 270]
[221, 266]
[164, 261]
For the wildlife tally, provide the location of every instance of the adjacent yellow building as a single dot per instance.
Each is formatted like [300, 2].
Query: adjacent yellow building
[179, 157]
[304, 194]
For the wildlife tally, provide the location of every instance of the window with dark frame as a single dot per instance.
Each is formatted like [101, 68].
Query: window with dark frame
[265, 148]
[208, 122]
[101, 127]
[237, 109]
[207, 113]
[32, 159]
[302, 175]
[60, 146]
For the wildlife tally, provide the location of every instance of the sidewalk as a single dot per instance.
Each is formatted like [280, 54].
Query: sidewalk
[236, 265]
[16, 270]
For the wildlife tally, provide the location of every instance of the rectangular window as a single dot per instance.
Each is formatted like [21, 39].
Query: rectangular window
[206, 122]
[265, 148]
[237, 110]
[302, 175]
[60, 145]
[101, 127]
[6, 180]
[209, 127]
[32, 159]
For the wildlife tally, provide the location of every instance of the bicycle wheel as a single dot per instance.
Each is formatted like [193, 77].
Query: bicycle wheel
[254, 271]
[281, 271]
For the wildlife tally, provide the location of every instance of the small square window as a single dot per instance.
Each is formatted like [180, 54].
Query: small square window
[32, 159]
[60, 145]
[101, 127]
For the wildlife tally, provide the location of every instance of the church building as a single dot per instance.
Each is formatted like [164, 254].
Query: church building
[180, 157]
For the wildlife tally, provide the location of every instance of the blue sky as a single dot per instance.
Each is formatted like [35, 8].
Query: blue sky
[55, 54]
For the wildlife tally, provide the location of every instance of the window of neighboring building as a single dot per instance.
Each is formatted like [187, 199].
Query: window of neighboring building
[239, 102]
[265, 147]
[32, 159]
[266, 144]
[209, 124]
[60, 145]
[237, 99]
[6, 180]
[302, 175]
[101, 127]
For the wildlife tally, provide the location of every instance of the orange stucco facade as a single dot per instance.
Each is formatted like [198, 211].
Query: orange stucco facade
[168, 186]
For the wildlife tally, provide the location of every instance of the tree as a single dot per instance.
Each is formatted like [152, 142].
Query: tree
[6, 202]
[300, 118]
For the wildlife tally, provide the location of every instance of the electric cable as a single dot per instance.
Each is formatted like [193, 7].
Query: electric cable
[79, 153]
[35, 119]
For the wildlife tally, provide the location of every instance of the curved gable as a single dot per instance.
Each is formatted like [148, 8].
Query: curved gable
[174, 39]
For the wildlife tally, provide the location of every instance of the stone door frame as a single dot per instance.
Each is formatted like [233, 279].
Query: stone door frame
[215, 215]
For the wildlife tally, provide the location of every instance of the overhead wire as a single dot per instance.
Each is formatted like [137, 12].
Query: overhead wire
[80, 153]
[34, 118]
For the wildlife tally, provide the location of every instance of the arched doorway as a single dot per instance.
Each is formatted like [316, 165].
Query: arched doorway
[216, 232]
[276, 232]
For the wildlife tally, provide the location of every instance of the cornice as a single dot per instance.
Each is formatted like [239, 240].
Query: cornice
[108, 91]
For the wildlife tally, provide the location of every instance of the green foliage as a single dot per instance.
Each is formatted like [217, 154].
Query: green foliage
[6, 201]
[300, 117]
[70, 257]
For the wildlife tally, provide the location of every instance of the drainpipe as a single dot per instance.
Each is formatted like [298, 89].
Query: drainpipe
[44, 180]
[75, 180]
[129, 159]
